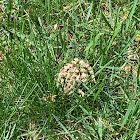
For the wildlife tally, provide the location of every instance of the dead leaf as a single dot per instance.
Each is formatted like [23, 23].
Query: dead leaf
[119, 119]
[34, 135]
[127, 67]
[66, 7]
[131, 54]
[136, 122]
[137, 37]
[55, 27]
[103, 4]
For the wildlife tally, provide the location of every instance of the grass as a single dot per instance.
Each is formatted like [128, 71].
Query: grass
[32, 53]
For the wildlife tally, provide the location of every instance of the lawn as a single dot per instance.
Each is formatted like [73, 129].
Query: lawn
[40, 41]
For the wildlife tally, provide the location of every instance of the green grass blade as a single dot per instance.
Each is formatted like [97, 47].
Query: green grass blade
[92, 129]
[12, 131]
[21, 104]
[94, 30]
[110, 7]
[82, 102]
[67, 131]
[25, 134]
[103, 67]
[130, 107]
[136, 18]
[100, 128]
[106, 21]
[40, 22]
[98, 92]
[114, 35]
[33, 50]
[91, 44]
[129, 43]
[131, 14]
[136, 130]
[84, 110]
[89, 11]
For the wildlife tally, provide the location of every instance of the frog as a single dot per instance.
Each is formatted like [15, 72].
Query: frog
[76, 71]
